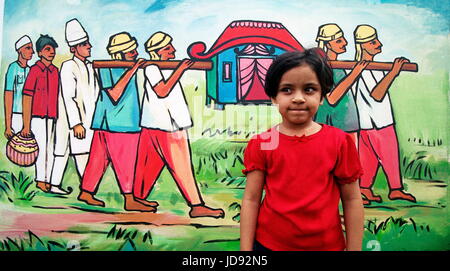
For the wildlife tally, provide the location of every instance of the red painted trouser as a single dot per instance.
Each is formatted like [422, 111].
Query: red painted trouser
[118, 148]
[379, 147]
[158, 149]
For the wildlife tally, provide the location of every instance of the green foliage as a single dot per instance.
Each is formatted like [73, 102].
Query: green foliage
[422, 165]
[31, 243]
[16, 188]
[214, 158]
[399, 234]
[133, 239]
[233, 207]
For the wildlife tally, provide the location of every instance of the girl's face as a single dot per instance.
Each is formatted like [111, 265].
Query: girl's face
[338, 45]
[299, 96]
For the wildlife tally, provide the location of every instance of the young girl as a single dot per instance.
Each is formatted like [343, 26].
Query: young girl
[304, 167]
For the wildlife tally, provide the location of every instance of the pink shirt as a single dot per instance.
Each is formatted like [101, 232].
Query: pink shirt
[42, 84]
[300, 210]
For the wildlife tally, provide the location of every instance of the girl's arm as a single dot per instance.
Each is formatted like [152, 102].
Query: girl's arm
[250, 208]
[353, 215]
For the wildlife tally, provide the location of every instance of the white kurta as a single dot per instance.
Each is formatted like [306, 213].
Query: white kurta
[79, 91]
[170, 113]
[372, 113]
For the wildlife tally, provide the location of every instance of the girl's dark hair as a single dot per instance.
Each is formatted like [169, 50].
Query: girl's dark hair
[313, 57]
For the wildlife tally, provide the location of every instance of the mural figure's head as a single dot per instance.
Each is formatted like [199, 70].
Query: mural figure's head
[46, 48]
[366, 41]
[78, 39]
[122, 46]
[297, 82]
[159, 46]
[331, 38]
[24, 48]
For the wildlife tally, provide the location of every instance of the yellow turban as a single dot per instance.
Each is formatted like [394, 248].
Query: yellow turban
[363, 33]
[328, 32]
[121, 43]
[155, 42]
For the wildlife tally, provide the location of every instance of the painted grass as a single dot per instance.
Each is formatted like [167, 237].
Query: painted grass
[400, 234]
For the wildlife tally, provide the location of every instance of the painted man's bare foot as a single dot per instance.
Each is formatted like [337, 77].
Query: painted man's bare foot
[90, 199]
[150, 203]
[400, 195]
[366, 201]
[368, 194]
[43, 186]
[205, 211]
[133, 205]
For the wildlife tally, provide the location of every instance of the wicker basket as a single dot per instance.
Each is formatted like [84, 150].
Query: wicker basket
[22, 151]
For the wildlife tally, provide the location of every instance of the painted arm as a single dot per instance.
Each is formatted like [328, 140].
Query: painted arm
[163, 88]
[69, 93]
[27, 101]
[353, 215]
[380, 90]
[116, 92]
[9, 96]
[251, 202]
[345, 84]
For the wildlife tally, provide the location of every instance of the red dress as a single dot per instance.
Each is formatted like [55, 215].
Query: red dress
[300, 210]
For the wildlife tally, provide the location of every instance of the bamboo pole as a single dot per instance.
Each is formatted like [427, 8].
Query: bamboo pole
[207, 65]
[381, 66]
[198, 65]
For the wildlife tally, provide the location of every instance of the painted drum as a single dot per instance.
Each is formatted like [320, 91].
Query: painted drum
[22, 151]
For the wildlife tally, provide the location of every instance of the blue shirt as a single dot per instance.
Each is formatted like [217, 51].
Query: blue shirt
[122, 116]
[14, 81]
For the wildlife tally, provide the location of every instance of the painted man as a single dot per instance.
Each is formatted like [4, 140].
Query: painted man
[378, 144]
[116, 127]
[14, 80]
[40, 107]
[339, 108]
[79, 90]
[165, 120]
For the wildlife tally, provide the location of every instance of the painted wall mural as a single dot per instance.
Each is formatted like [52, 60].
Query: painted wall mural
[124, 122]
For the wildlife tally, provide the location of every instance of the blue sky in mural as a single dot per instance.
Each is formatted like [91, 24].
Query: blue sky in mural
[408, 28]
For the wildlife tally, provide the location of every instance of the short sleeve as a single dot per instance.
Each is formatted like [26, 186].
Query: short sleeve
[153, 75]
[254, 158]
[105, 79]
[348, 167]
[9, 79]
[30, 83]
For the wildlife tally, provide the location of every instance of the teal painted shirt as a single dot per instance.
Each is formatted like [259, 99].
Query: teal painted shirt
[14, 81]
[343, 114]
[122, 116]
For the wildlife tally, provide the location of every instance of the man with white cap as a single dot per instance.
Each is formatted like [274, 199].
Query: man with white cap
[79, 90]
[378, 144]
[14, 80]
